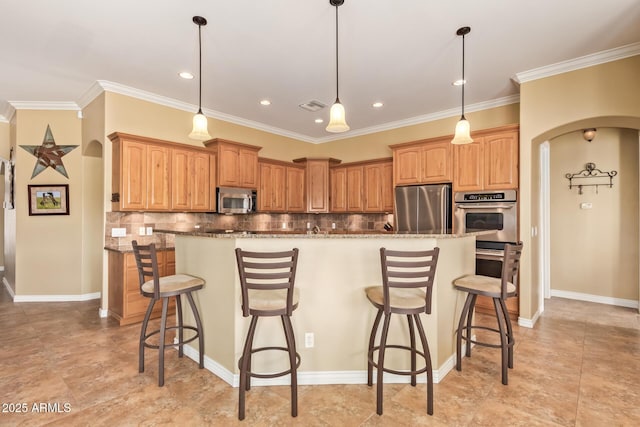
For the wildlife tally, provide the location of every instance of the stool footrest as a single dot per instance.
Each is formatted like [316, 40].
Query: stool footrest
[275, 374]
[510, 343]
[393, 371]
[173, 344]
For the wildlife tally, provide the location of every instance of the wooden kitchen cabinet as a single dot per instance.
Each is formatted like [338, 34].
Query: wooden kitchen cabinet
[317, 182]
[237, 163]
[190, 182]
[126, 304]
[362, 187]
[280, 186]
[378, 187]
[422, 162]
[155, 175]
[272, 186]
[295, 189]
[489, 163]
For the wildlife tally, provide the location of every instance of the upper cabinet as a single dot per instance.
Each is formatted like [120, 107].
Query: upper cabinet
[362, 187]
[317, 182]
[281, 186]
[154, 175]
[237, 163]
[489, 163]
[422, 162]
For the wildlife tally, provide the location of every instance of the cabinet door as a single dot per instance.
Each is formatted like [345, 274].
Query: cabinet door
[373, 188]
[248, 168]
[278, 187]
[407, 165]
[213, 183]
[387, 187]
[355, 183]
[229, 166]
[133, 191]
[436, 162]
[338, 179]
[469, 169]
[180, 179]
[265, 197]
[317, 186]
[158, 178]
[295, 189]
[501, 161]
[200, 182]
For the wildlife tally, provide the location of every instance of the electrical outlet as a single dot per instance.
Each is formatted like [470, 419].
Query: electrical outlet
[284, 225]
[149, 231]
[142, 231]
[308, 340]
[118, 232]
[333, 225]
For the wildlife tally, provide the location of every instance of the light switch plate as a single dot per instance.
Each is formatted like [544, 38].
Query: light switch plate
[118, 232]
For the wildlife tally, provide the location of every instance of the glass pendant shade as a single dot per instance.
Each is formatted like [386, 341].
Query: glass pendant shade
[200, 130]
[337, 119]
[463, 130]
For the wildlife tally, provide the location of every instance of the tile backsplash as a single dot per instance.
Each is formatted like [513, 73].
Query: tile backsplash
[133, 221]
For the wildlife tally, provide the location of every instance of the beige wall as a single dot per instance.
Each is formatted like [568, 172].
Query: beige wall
[4, 152]
[605, 95]
[595, 251]
[93, 218]
[48, 249]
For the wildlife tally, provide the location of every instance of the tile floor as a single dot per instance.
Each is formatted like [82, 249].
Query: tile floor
[580, 366]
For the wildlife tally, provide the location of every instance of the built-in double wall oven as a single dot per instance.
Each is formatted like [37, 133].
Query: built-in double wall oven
[488, 210]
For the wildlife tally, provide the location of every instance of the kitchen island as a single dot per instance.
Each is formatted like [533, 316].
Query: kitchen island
[333, 270]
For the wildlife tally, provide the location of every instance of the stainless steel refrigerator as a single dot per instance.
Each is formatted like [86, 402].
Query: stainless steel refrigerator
[423, 208]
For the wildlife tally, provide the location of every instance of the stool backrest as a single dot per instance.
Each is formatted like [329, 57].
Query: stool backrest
[147, 263]
[510, 266]
[408, 269]
[267, 271]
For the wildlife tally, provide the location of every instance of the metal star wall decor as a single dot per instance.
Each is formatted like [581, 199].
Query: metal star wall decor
[49, 154]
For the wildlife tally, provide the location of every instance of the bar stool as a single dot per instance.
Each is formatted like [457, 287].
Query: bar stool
[407, 285]
[267, 281]
[162, 288]
[499, 289]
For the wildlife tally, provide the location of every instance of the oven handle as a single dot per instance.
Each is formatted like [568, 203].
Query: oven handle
[485, 206]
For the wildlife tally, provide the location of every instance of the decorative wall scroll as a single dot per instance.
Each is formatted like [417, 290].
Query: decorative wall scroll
[49, 154]
[594, 178]
[49, 199]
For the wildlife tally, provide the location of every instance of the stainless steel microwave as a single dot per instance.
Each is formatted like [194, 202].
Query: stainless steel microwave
[235, 200]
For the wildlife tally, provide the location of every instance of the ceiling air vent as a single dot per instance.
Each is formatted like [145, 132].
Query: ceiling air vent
[312, 105]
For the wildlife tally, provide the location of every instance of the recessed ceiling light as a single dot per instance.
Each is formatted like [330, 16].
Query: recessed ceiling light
[459, 82]
[319, 121]
[186, 75]
[377, 104]
[265, 102]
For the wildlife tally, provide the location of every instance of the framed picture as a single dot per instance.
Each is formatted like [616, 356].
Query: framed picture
[49, 199]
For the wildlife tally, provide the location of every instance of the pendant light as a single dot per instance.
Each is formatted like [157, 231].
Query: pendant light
[200, 131]
[462, 135]
[337, 120]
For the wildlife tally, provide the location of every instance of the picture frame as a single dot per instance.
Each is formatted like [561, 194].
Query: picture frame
[50, 199]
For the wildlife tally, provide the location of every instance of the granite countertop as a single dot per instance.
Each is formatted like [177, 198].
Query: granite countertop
[331, 234]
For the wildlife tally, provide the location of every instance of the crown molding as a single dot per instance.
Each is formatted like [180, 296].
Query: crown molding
[499, 102]
[6, 114]
[578, 63]
[45, 105]
[92, 93]
[185, 106]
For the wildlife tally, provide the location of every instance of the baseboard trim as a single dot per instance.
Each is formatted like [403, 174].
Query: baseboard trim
[529, 323]
[56, 298]
[8, 287]
[629, 303]
[316, 377]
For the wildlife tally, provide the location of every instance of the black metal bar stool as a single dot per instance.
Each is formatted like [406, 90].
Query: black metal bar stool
[407, 285]
[499, 289]
[162, 288]
[267, 280]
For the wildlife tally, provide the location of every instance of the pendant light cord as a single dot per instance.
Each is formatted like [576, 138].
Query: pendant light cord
[200, 71]
[463, 80]
[337, 79]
